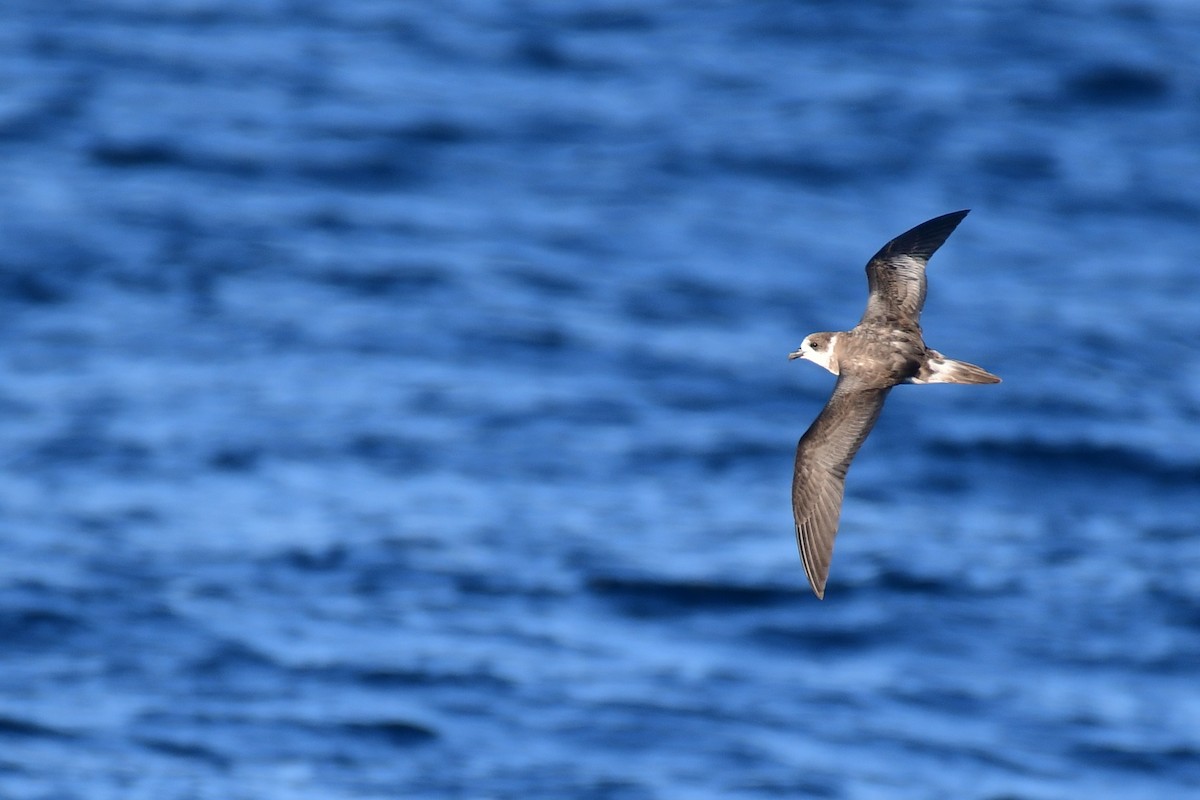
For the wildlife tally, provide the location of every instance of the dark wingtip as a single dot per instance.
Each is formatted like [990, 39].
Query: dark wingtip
[816, 581]
[924, 240]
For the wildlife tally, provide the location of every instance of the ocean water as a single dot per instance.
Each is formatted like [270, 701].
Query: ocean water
[394, 400]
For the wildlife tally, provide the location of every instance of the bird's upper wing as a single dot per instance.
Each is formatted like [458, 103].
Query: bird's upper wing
[896, 274]
[822, 458]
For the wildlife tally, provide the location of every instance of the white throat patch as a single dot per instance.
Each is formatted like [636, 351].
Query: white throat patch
[825, 357]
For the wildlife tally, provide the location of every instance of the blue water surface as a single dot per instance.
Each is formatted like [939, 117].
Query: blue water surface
[394, 401]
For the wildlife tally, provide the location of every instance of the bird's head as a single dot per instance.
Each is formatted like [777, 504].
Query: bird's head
[818, 348]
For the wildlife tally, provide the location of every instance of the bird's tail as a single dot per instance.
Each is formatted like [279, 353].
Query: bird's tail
[939, 369]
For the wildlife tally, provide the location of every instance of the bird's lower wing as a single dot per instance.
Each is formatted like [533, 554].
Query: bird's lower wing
[822, 458]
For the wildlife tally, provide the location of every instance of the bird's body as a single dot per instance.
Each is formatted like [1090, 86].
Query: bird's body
[883, 350]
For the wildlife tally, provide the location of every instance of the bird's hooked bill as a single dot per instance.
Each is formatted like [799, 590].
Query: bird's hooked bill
[795, 354]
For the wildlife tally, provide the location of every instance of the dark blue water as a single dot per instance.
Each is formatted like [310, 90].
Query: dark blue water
[394, 402]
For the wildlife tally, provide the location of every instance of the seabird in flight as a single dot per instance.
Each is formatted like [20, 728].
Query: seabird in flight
[884, 349]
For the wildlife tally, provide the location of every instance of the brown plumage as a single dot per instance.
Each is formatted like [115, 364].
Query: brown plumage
[884, 349]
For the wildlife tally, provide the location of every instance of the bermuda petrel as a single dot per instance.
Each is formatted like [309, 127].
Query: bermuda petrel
[884, 349]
